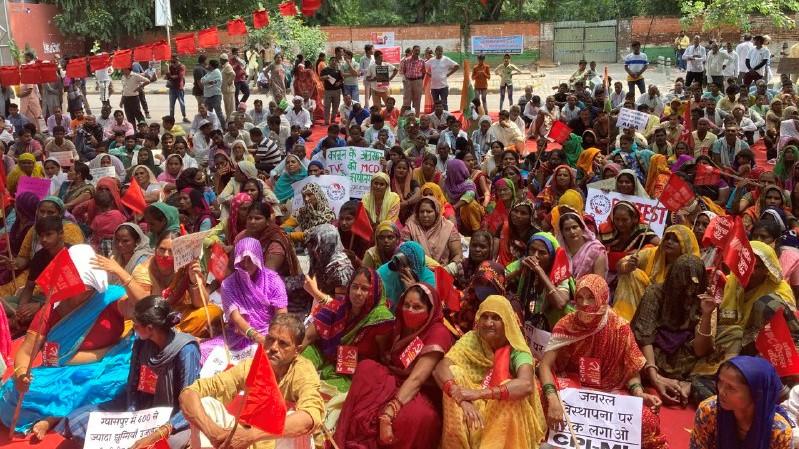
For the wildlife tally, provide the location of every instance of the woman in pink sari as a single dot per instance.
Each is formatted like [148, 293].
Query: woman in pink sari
[586, 253]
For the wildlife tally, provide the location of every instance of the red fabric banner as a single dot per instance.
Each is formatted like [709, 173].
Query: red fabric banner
[184, 44]
[48, 71]
[143, 53]
[264, 407]
[739, 256]
[707, 175]
[208, 38]
[677, 194]
[718, 232]
[123, 59]
[162, 51]
[447, 294]
[776, 345]
[78, 68]
[100, 61]
[236, 27]
[559, 132]
[260, 19]
[287, 8]
[9, 75]
[61, 278]
[134, 197]
[218, 265]
[29, 74]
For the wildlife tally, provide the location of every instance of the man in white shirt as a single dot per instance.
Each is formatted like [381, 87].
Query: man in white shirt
[717, 61]
[300, 116]
[204, 115]
[366, 60]
[731, 69]
[618, 95]
[742, 50]
[380, 74]
[103, 77]
[570, 110]
[756, 63]
[440, 68]
[635, 64]
[653, 100]
[201, 141]
[694, 57]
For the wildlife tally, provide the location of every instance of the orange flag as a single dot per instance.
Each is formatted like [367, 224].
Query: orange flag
[264, 407]
[134, 198]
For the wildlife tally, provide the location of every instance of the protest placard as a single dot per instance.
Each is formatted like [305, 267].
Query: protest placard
[119, 430]
[38, 186]
[217, 360]
[630, 118]
[64, 158]
[599, 203]
[537, 339]
[599, 420]
[360, 164]
[102, 172]
[336, 189]
[187, 248]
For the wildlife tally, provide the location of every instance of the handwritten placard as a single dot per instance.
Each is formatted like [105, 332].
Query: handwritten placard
[64, 158]
[599, 420]
[630, 118]
[187, 248]
[102, 172]
[38, 186]
[217, 360]
[599, 204]
[336, 188]
[111, 430]
[537, 339]
[360, 164]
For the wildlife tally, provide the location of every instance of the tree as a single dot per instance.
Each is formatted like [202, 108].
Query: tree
[104, 20]
[715, 13]
[291, 35]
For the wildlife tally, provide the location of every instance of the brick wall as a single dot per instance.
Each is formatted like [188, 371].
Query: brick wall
[32, 25]
[448, 36]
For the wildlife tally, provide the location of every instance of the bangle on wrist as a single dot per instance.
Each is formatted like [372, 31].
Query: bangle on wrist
[126, 283]
[548, 389]
[635, 386]
[699, 332]
[447, 387]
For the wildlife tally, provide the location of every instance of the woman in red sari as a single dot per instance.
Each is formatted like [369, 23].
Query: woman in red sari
[396, 394]
[307, 85]
[595, 332]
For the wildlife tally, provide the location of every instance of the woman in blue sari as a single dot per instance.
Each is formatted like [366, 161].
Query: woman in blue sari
[406, 268]
[85, 356]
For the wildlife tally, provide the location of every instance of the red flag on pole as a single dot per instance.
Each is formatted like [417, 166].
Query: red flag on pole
[101, 61]
[445, 285]
[143, 53]
[134, 198]
[686, 136]
[162, 51]
[775, 344]
[287, 8]
[739, 256]
[184, 44]
[9, 75]
[218, 263]
[560, 267]
[264, 406]
[208, 38]
[676, 194]
[362, 226]
[236, 27]
[718, 232]
[61, 278]
[260, 19]
[559, 132]
[707, 175]
[77, 68]
[123, 59]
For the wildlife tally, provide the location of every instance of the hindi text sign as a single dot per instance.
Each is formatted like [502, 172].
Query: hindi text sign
[102, 172]
[599, 420]
[187, 248]
[112, 430]
[38, 186]
[360, 164]
[599, 204]
[630, 118]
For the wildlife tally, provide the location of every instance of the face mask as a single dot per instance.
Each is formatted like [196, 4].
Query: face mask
[592, 309]
[164, 262]
[413, 319]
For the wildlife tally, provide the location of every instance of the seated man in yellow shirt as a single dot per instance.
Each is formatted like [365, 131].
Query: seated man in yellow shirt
[203, 403]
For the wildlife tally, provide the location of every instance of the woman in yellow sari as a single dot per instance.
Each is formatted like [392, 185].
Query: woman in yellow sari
[26, 166]
[650, 265]
[658, 175]
[381, 204]
[434, 190]
[507, 412]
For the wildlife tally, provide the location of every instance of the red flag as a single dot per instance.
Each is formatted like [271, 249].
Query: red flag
[676, 194]
[707, 175]
[264, 406]
[484, 2]
[447, 294]
[718, 232]
[260, 19]
[48, 71]
[143, 53]
[775, 344]
[739, 256]
[162, 51]
[77, 68]
[208, 38]
[101, 61]
[134, 198]
[236, 27]
[309, 7]
[559, 132]
[287, 8]
[218, 263]
[162, 443]
[560, 267]
[184, 44]
[29, 74]
[9, 75]
[61, 278]
[123, 59]
[362, 226]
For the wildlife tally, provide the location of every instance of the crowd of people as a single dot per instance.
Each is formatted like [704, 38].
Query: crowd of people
[418, 332]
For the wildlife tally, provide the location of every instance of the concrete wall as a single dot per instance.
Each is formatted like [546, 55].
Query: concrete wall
[32, 25]
[448, 36]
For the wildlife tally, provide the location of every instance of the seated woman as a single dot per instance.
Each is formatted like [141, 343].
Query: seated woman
[515, 232]
[171, 359]
[77, 190]
[195, 214]
[380, 203]
[88, 357]
[746, 413]
[395, 392]
[439, 237]
[293, 171]
[405, 268]
[595, 331]
[172, 168]
[145, 158]
[87, 211]
[161, 218]
[26, 166]
[675, 326]
[586, 254]
[487, 280]
[462, 194]
[251, 296]
[360, 319]
[243, 171]
[624, 234]
[131, 248]
[354, 245]
[589, 166]
[24, 217]
[503, 199]
[769, 231]
[701, 222]
[109, 160]
[542, 301]
[182, 289]
[330, 270]
[150, 186]
[770, 196]
[479, 178]
[226, 230]
[279, 255]
[481, 249]
[562, 180]
[626, 182]
[404, 185]
[434, 190]
[315, 211]
[507, 412]
[427, 171]
[658, 175]
[53, 172]
[649, 266]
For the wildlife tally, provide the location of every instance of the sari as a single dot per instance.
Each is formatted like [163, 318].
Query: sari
[203, 217]
[512, 243]
[447, 210]
[781, 169]
[318, 214]
[391, 279]
[119, 166]
[487, 280]
[652, 269]
[436, 239]
[460, 187]
[658, 176]
[165, 176]
[86, 211]
[641, 237]
[552, 192]
[283, 190]
[172, 217]
[585, 164]
[328, 262]
[582, 261]
[418, 175]
[389, 207]
[274, 235]
[508, 424]
[498, 210]
[609, 185]
[141, 252]
[375, 384]
[13, 177]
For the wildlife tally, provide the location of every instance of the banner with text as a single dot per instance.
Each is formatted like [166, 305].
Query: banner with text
[102, 172]
[537, 339]
[111, 430]
[497, 44]
[187, 248]
[391, 53]
[336, 188]
[217, 360]
[630, 118]
[360, 164]
[599, 203]
[599, 420]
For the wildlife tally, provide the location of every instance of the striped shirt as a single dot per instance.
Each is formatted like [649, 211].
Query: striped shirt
[267, 153]
[636, 63]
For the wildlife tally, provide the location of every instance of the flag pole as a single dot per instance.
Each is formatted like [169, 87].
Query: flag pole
[204, 299]
[8, 240]
[566, 415]
[226, 443]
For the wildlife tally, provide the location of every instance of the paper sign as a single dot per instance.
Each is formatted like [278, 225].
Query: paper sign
[537, 339]
[102, 172]
[336, 188]
[360, 164]
[346, 359]
[217, 360]
[38, 186]
[630, 118]
[119, 430]
[391, 54]
[187, 248]
[598, 204]
[64, 158]
[599, 420]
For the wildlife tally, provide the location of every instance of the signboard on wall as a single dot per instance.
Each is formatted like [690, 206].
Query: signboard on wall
[497, 44]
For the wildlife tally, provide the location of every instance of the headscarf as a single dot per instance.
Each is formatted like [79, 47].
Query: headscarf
[233, 218]
[658, 166]
[401, 188]
[434, 240]
[590, 322]
[458, 180]
[165, 176]
[119, 167]
[573, 199]
[435, 316]
[782, 171]
[438, 194]
[172, 216]
[200, 207]
[497, 216]
[390, 204]
[13, 178]
[765, 388]
[320, 213]
[687, 270]
[283, 189]
[614, 168]
[682, 160]
[609, 185]
[582, 262]
[328, 260]
[655, 266]
[552, 191]
[141, 252]
[511, 246]
[25, 205]
[153, 179]
[150, 164]
[82, 256]
[248, 168]
[586, 161]
[240, 290]
[416, 260]
[112, 185]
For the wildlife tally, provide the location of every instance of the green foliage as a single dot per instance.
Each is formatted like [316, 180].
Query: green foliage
[104, 20]
[715, 13]
[291, 35]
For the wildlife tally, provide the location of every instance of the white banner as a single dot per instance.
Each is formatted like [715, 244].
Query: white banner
[599, 203]
[537, 339]
[357, 163]
[187, 248]
[102, 172]
[163, 13]
[599, 420]
[336, 188]
[217, 360]
[630, 118]
[112, 430]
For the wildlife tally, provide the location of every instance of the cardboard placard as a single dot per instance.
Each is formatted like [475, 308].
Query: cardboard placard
[630, 118]
[38, 186]
[599, 420]
[360, 164]
[102, 172]
[599, 204]
[187, 248]
[119, 430]
[217, 360]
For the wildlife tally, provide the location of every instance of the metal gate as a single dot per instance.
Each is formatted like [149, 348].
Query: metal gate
[578, 40]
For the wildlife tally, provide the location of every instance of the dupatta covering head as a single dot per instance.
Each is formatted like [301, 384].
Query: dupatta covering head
[414, 252]
[437, 193]
[458, 181]
[781, 169]
[586, 321]
[609, 185]
[656, 266]
[573, 199]
[582, 261]
[390, 205]
[434, 239]
[658, 166]
[238, 201]
[140, 252]
[320, 213]
[429, 296]
[328, 261]
[283, 189]
[765, 388]
[586, 161]
[13, 177]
